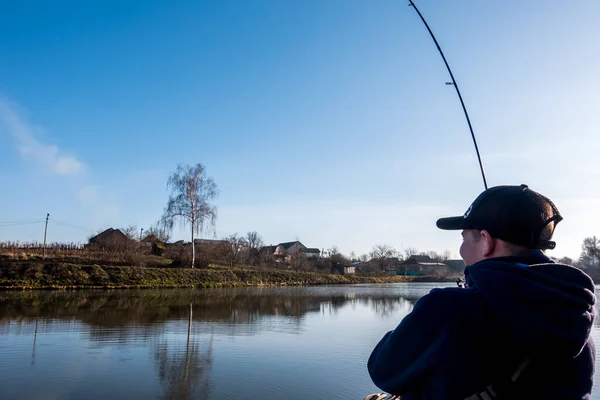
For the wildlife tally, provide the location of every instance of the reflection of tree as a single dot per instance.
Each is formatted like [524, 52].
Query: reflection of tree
[386, 306]
[137, 315]
[184, 372]
[34, 340]
[146, 308]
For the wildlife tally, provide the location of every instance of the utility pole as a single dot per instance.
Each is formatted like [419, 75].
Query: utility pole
[45, 233]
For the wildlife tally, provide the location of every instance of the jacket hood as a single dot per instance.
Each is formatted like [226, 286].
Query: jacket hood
[540, 304]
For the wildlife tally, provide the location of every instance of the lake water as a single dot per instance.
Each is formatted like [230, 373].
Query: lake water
[245, 343]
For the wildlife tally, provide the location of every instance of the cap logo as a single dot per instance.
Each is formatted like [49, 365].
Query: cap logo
[468, 211]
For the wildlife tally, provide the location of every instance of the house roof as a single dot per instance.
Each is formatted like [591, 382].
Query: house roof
[109, 234]
[419, 260]
[311, 250]
[287, 245]
[270, 249]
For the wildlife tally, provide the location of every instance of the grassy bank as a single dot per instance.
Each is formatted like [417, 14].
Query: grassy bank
[15, 274]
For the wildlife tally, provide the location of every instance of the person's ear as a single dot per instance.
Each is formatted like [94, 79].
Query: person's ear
[488, 243]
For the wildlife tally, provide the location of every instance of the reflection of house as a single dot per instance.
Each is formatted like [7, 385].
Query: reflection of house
[285, 251]
[421, 265]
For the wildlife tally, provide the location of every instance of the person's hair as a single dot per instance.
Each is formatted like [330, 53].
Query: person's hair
[547, 232]
[517, 249]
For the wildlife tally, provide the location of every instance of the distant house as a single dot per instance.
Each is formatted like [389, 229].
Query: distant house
[268, 249]
[421, 265]
[285, 251]
[152, 242]
[311, 252]
[342, 269]
[112, 239]
[292, 247]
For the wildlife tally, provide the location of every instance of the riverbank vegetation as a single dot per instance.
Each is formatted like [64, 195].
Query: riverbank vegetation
[224, 263]
[35, 273]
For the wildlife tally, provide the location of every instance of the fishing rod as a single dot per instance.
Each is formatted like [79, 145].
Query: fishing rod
[453, 83]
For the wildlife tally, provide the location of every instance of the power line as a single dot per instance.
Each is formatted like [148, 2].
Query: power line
[70, 225]
[20, 223]
[40, 221]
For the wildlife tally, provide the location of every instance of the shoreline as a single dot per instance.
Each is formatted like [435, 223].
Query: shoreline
[24, 275]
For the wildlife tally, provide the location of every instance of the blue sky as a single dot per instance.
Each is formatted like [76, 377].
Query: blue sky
[323, 121]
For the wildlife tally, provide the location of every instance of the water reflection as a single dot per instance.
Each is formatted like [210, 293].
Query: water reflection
[144, 313]
[161, 343]
[386, 307]
[184, 370]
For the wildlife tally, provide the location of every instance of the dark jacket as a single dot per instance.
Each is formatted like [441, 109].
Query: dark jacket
[458, 341]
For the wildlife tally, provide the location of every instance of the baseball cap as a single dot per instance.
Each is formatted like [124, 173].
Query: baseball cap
[515, 214]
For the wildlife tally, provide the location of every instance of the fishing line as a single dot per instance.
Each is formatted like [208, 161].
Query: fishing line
[453, 83]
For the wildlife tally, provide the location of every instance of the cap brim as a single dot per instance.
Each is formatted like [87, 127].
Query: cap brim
[452, 223]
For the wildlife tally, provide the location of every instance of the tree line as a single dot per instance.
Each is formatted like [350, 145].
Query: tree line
[191, 204]
[589, 259]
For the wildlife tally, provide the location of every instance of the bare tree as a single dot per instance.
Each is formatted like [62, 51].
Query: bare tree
[432, 254]
[237, 246]
[254, 242]
[333, 250]
[132, 232]
[590, 253]
[383, 251]
[565, 260]
[160, 230]
[589, 260]
[446, 255]
[410, 251]
[190, 202]
[383, 257]
[339, 258]
[298, 261]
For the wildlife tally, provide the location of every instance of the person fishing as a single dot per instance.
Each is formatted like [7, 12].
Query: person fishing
[520, 329]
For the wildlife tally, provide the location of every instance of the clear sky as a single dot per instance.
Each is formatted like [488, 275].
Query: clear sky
[323, 121]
